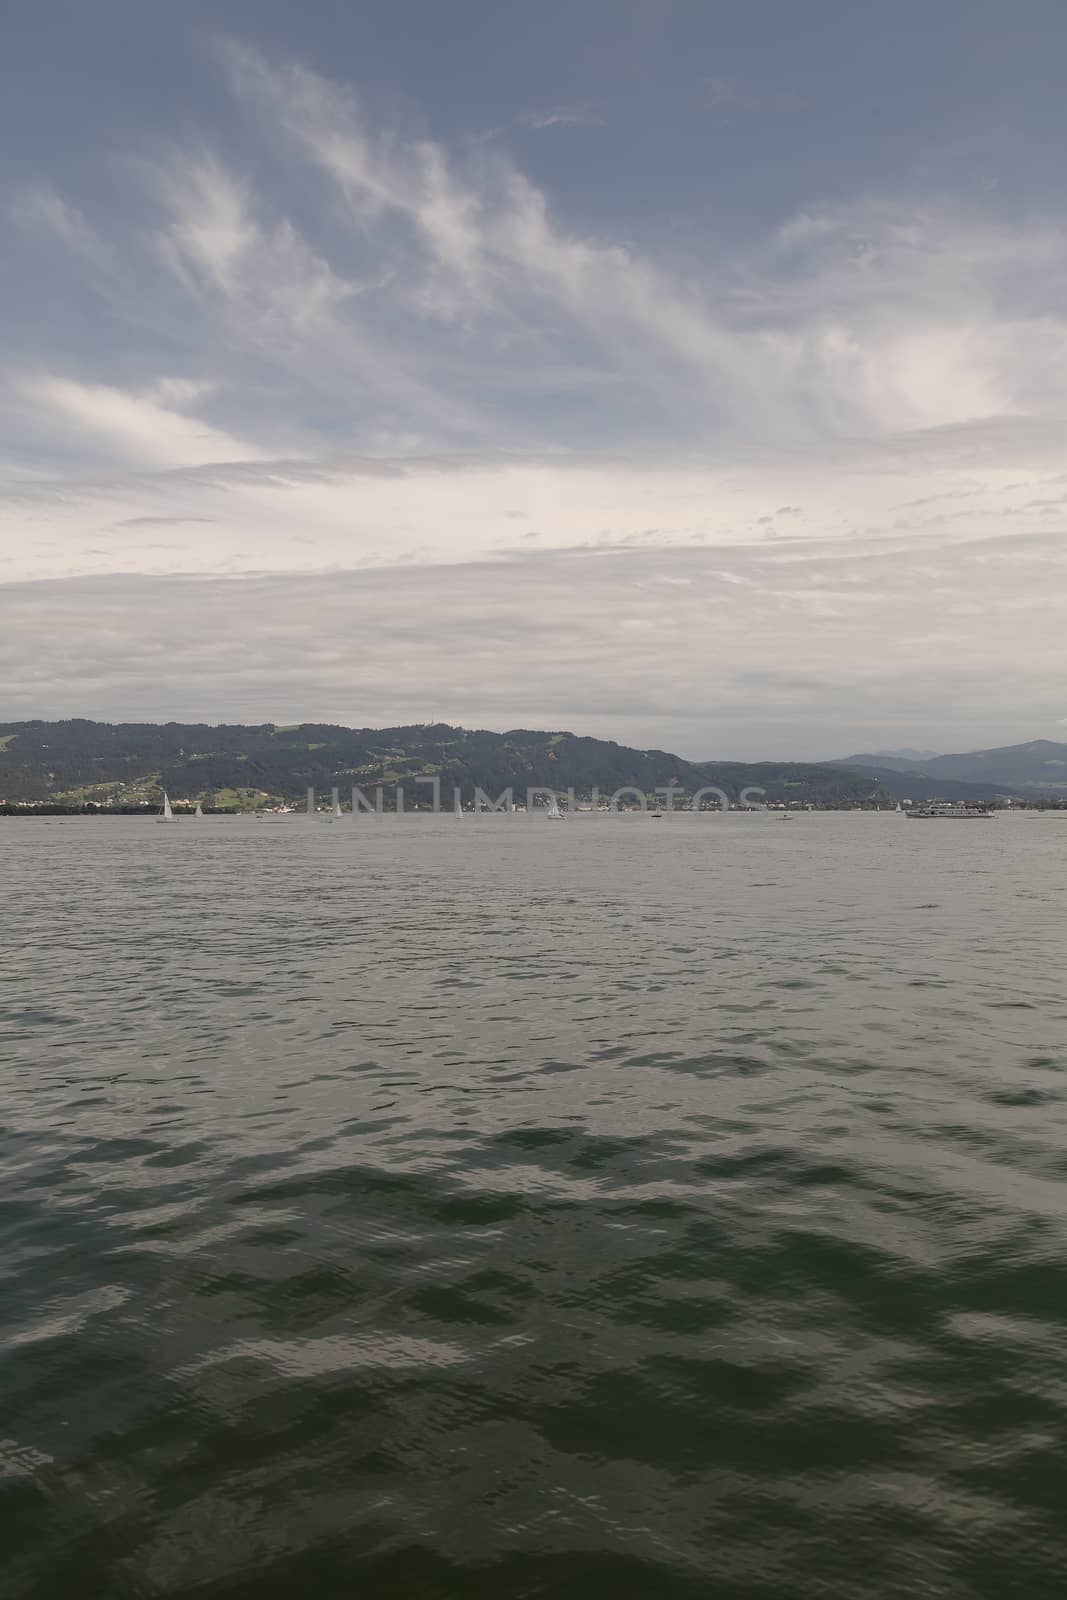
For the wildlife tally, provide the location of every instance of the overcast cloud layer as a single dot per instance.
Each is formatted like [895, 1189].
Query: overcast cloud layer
[310, 411]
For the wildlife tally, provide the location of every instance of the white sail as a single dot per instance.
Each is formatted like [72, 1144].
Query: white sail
[553, 810]
[199, 812]
[166, 815]
[457, 809]
[336, 812]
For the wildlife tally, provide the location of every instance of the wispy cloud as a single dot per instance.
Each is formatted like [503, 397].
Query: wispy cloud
[142, 427]
[574, 116]
[438, 302]
[39, 210]
[353, 380]
[734, 94]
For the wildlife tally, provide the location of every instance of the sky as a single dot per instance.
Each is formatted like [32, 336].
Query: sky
[687, 374]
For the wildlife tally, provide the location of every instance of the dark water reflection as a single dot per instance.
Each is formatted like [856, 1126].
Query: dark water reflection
[453, 1207]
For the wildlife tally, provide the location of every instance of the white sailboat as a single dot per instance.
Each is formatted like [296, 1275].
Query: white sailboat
[457, 808]
[199, 812]
[554, 813]
[166, 815]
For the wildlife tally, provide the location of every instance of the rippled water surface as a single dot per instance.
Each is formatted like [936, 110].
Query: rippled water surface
[445, 1207]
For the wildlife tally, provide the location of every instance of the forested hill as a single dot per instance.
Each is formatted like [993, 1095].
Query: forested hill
[81, 761]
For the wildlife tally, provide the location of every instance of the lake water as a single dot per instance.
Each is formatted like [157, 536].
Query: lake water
[437, 1207]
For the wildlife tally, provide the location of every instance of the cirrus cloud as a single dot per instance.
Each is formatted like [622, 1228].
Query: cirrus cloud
[402, 371]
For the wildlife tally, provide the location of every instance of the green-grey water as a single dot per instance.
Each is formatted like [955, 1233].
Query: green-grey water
[443, 1207]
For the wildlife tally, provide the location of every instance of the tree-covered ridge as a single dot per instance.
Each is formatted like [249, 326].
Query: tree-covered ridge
[81, 761]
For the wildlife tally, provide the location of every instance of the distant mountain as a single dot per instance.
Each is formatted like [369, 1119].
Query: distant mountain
[904, 755]
[881, 761]
[1038, 767]
[81, 761]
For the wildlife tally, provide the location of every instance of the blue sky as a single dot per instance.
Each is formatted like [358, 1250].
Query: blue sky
[690, 374]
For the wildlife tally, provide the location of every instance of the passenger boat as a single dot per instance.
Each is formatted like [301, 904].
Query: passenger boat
[950, 808]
